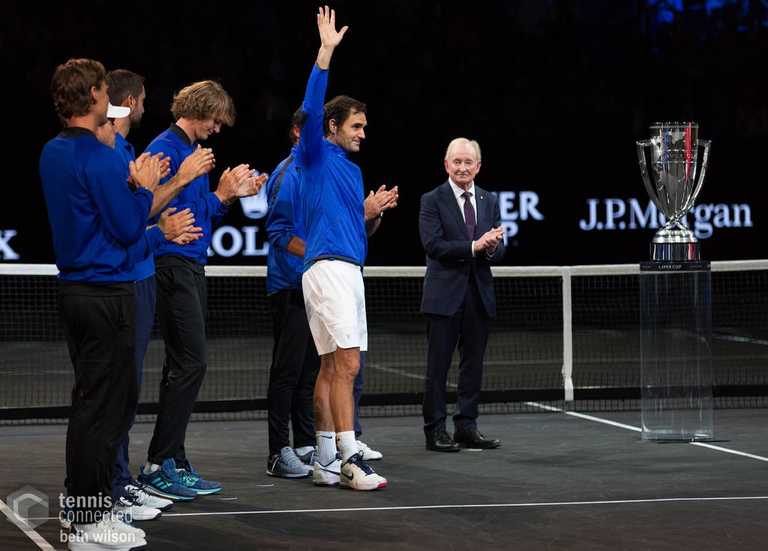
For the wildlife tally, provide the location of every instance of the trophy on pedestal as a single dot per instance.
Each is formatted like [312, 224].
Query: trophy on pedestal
[675, 293]
[670, 178]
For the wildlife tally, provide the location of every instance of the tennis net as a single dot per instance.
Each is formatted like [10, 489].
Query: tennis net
[565, 336]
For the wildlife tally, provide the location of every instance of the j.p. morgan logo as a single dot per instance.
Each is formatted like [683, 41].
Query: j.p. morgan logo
[613, 214]
[517, 207]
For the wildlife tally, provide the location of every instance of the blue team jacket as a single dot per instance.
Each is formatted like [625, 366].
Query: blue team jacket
[331, 189]
[196, 195]
[98, 223]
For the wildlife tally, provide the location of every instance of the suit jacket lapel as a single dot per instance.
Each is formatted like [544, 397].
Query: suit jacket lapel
[450, 198]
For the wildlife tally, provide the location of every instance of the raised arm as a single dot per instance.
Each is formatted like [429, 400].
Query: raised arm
[329, 37]
[312, 134]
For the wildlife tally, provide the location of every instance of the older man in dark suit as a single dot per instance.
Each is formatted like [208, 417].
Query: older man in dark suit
[459, 224]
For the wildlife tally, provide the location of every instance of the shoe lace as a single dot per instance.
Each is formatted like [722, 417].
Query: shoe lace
[141, 489]
[292, 460]
[133, 495]
[357, 459]
[188, 478]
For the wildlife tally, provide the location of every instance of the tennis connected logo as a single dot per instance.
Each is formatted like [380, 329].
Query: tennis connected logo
[30, 506]
[91, 519]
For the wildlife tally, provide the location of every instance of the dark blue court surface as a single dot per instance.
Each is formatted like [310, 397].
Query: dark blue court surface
[560, 481]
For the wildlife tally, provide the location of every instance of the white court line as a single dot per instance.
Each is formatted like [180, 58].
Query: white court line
[738, 338]
[36, 538]
[728, 450]
[471, 506]
[583, 416]
[638, 429]
[586, 417]
[475, 506]
[601, 420]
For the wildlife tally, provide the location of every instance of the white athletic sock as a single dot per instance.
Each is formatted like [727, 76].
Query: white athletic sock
[326, 446]
[347, 444]
[149, 468]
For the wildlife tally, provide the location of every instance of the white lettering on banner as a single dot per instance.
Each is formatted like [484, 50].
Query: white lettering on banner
[231, 241]
[512, 212]
[628, 214]
[6, 252]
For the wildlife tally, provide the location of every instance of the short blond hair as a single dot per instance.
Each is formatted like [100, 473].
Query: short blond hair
[202, 100]
[463, 141]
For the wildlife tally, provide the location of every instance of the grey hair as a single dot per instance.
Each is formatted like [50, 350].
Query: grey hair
[463, 141]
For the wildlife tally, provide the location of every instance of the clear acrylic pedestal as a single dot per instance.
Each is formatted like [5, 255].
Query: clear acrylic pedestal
[675, 352]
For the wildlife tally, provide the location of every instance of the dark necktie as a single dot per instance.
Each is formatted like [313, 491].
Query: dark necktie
[469, 215]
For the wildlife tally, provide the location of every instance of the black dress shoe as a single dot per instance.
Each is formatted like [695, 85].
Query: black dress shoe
[439, 440]
[471, 438]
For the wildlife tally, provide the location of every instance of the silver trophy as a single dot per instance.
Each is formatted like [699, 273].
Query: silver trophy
[673, 185]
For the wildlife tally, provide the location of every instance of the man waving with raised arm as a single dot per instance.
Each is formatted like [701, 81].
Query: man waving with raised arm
[334, 217]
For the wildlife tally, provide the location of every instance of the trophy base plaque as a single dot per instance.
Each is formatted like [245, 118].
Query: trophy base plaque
[675, 354]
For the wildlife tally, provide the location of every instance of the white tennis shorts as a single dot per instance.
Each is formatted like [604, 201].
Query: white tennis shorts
[334, 298]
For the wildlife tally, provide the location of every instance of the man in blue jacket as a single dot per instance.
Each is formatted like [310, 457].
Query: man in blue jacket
[295, 362]
[126, 91]
[199, 111]
[334, 221]
[459, 225]
[99, 233]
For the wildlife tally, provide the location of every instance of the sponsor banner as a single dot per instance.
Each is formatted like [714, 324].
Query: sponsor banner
[616, 214]
[6, 250]
[229, 241]
[517, 207]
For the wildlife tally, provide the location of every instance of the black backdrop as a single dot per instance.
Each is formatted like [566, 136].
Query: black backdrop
[556, 92]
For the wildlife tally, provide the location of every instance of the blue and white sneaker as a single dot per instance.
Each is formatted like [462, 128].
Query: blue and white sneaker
[137, 492]
[193, 481]
[356, 474]
[287, 464]
[166, 482]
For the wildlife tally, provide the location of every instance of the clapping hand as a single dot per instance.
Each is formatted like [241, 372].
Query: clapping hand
[179, 227]
[200, 162]
[383, 199]
[147, 170]
[239, 182]
[490, 240]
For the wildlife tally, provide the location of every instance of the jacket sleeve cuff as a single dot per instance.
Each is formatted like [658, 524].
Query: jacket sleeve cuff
[154, 237]
[215, 206]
